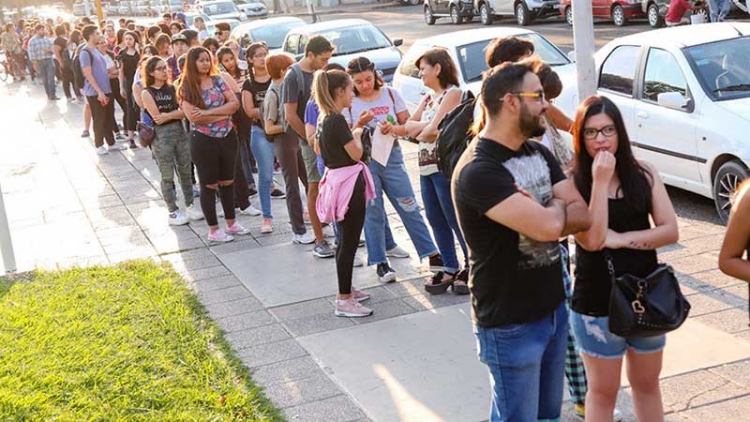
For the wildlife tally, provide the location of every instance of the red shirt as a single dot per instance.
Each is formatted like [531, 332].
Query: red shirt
[677, 9]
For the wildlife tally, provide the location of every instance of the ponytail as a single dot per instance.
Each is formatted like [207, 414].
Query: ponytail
[325, 84]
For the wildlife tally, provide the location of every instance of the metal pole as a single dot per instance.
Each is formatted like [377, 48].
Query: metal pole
[86, 7]
[583, 39]
[6, 243]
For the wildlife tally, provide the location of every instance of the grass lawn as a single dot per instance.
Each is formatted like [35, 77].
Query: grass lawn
[123, 343]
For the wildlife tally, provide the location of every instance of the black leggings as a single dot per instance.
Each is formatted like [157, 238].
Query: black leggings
[215, 160]
[115, 85]
[132, 112]
[350, 229]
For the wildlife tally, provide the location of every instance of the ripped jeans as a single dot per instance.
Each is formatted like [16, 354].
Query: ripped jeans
[393, 181]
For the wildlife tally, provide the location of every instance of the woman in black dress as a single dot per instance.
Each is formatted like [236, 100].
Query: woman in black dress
[129, 57]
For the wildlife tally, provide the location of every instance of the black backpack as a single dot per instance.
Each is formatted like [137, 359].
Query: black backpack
[78, 77]
[455, 134]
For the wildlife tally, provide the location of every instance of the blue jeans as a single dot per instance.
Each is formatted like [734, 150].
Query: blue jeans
[527, 365]
[438, 205]
[264, 153]
[394, 182]
[719, 9]
[594, 338]
[47, 74]
[245, 159]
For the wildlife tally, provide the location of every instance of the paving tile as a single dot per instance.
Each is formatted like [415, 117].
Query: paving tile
[335, 409]
[302, 309]
[426, 302]
[256, 336]
[299, 392]
[730, 320]
[266, 354]
[286, 371]
[245, 244]
[317, 323]
[385, 310]
[702, 304]
[216, 283]
[246, 321]
[206, 273]
[695, 264]
[228, 294]
[377, 295]
[409, 287]
[237, 307]
[721, 411]
[738, 372]
[738, 295]
[716, 278]
[690, 390]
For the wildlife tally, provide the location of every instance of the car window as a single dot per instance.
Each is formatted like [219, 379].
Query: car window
[292, 44]
[722, 67]
[663, 74]
[356, 39]
[274, 35]
[219, 8]
[408, 68]
[618, 71]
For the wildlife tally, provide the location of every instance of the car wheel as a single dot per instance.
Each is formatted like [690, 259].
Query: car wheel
[485, 15]
[569, 15]
[618, 16]
[727, 179]
[429, 19]
[414, 2]
[522, 14]
[655, 18]
[456, 19]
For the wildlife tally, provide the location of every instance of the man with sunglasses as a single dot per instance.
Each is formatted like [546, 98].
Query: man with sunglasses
[222, 32]
[513, 203]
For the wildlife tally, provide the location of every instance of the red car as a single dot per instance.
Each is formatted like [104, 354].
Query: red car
[620, 11]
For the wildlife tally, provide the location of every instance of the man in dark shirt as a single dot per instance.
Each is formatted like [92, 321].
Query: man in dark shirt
[513, 203]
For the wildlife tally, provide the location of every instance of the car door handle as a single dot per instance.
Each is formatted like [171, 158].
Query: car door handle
[642, 115]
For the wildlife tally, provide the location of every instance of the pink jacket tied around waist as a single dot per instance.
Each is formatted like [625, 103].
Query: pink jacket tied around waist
[336, 190]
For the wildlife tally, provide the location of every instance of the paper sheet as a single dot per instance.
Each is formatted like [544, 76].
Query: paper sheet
[381, 147]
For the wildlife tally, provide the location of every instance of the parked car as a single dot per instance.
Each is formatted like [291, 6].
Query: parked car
[252, 9]
[656, 10]
[190, 17]
[143, 8]
[467, 50]
[272, 31]
[173, 6]
[127, 8]
[684, 93]
[459, 11]
[352, 38]
[221, 10]
[525, 11]
[79, 9]
[620, 11]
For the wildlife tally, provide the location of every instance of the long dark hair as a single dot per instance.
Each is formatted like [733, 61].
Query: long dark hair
[223, 51]
[250, 52]
[635, 180]
[149, 66]
[190, 79]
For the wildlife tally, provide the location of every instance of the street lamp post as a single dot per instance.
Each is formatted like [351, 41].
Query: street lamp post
[583, 40]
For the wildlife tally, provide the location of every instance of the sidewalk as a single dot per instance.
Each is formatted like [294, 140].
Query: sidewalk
[413, 360]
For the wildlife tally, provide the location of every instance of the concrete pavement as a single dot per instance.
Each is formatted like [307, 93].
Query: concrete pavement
[413, 360]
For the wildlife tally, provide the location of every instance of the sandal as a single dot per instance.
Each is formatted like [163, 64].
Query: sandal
[461, 283]
[438, 285]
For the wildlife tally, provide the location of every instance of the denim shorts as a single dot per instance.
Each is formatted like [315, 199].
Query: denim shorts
[594, 338]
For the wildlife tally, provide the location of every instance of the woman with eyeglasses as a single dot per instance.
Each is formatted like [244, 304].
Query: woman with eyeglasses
[170, 146]
[624, 195]
[382, 108]
[209, 103]
[438, 73]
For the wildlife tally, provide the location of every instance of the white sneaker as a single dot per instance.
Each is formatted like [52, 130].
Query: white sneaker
[303, 239]
[102, 150]
[359, 260]
[117, 147]
[177, 218]
[350, 308]
[251, 211]
[397, 252]
[194, 213]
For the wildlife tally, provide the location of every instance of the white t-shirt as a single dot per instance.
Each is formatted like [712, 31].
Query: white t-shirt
[383, 107]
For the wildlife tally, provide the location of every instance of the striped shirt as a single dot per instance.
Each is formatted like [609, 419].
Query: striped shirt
[41, 48]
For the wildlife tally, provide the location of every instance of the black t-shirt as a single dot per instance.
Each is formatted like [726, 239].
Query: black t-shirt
[513, 279]
[63, 43]
[129, 64]
[165, 99]
[334, 134]
[297, 88]
[258, 91]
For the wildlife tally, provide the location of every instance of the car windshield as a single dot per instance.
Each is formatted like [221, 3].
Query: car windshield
[219, 8]
[723, 67]
[274, 35]
[356, 39]
[473, 64]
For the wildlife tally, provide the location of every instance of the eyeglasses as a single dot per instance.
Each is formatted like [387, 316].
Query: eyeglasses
[161, 68]
[539, 95]
[260, 56]
[591, 133]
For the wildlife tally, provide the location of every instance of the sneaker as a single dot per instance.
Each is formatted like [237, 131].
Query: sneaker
[359, 261]
[397, 252]
[120, 137]
[194, 213]
[580, 411]
[196, 191]
[132, 144]
[219, 236]
[323, 250]
[177, 219]
[237, 229]
[85, 134]
[386, 274]
[102, 150]
[361, 243]
[251, 211]
[267, 226]
[278, 194]
[359, 296]
[351, 308]
[303, 239]
[252, 193]
[436, 263]
[117, 147]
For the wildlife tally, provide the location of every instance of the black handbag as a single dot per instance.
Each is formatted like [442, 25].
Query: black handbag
[645, 307]
[146, 134]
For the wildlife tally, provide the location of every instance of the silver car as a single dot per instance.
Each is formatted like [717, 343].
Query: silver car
[525, 11]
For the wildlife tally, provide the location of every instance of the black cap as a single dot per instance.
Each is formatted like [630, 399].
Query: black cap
[180, 37]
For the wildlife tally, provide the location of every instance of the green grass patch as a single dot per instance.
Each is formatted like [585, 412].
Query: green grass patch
[123, 343]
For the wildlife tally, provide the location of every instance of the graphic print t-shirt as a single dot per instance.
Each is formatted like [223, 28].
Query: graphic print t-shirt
[514, 279]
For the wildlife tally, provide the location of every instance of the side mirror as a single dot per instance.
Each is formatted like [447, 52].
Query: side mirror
[673, 100]
[572, 56]
[397, 42]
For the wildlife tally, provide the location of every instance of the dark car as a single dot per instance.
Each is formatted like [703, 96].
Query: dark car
[459, 11]
[620, 11]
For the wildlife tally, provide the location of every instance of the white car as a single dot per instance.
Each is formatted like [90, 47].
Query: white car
[272, 31]
[467, 50]
[684, 93]
[221, 10]
[252, 9]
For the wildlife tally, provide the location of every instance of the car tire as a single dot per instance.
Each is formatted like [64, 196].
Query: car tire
[727, 180]
[569, 15]
[485, 14]
[456, 18]
[429, 18]
[655, 19]
[618, 16]
[414, 2]
[522, 14]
